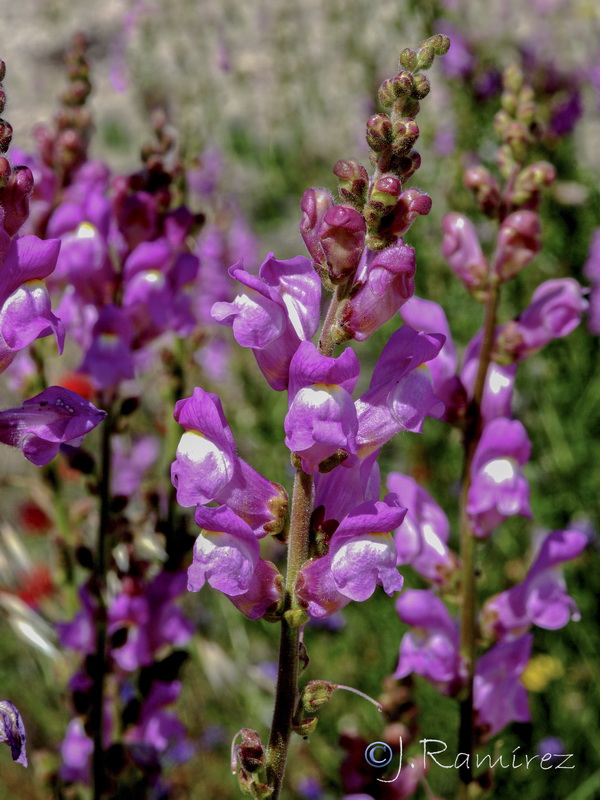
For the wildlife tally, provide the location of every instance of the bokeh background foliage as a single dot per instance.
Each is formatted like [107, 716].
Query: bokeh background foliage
[283, 91]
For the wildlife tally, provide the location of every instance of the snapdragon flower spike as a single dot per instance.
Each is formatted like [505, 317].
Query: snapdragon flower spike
[208, 468]
[431, 649]
[361, 556]
[555, 310]
[498, 487]
[541, 598]
[384, 284]
[400, 396]
[25, 313]
[55, 416]
[322, 418]
[462, 251]
[226, 555]
[12, 731]
[422, 539]
[280, 308]
[499, 697]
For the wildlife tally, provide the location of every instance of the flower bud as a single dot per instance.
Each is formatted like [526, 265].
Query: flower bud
[411, 204]
[2, 99]
[316, 694]
[485, 188]
[422, 87]
[383, 197]
[517, 137]
[512, 79]
[353, 181]
[6, 132]
[386, 93]
[314, 205]
[518, 243]
[411, 107]
[440, 43]
[425, 56]
[379, 132]
[405, 133]
[306, 727]
[251, 752]
[14, 199]
[530, 181]
[408, 59]
[2, 71]
[342, 239]
[403, 84]
[462, 251]
[405, 165]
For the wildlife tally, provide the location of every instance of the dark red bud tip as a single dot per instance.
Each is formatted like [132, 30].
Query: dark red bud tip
[388, 184]
[350, 170]
[402, 84]
[2, 71]
[344, 217]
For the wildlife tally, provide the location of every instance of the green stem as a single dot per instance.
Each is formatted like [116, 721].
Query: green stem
[468, 615]
[99, 582]
[286, 692]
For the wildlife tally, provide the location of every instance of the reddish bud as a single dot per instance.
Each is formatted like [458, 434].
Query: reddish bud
[6, 132]
[379, 132]
[518, 243]
[405, 133]
[485, 188]
[403, 84]
[411, 204]
[462, 251]
[422, 87]
[314, 205]
[14, 199]
[342, 239]
[353, 181]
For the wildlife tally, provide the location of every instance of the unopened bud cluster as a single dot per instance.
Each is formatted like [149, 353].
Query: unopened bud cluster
[514, 205]
[65, 150]
[356, 244]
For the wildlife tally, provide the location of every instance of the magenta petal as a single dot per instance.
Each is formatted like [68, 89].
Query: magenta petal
[263, 593]
[225, 554]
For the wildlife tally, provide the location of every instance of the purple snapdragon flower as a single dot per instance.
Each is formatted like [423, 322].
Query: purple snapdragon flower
[361, 555]
[381, 287]
[25, 313]
[279, 309]
[400, 395]
[422, 539]
[431, 649]
[555, 310]
[541, 598]
[12, 731]
[322, 418]
[354, 482]
[55, 416]
[131, 459]
[499, 697]
[208, 468]
[453, 389]
[498, 487]
[226, 555]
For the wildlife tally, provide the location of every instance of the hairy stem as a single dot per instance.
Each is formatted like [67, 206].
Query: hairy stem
[99, 583]
[286, 693]
[472, 435]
